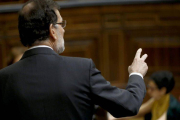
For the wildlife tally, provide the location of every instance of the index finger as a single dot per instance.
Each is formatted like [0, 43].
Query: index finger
[138, 53]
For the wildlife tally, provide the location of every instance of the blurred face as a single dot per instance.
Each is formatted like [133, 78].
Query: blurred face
[59, 44]
[154, 91]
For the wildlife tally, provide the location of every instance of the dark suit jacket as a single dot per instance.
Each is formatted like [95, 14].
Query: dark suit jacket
[46, 86]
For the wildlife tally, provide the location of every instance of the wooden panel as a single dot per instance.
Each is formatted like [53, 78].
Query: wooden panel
[82, 48]
[114, 57]
[112, 21]
[163, 52]
[140, 20]
[83, 44]
[110, 35]
[83, 22]
[2, 56]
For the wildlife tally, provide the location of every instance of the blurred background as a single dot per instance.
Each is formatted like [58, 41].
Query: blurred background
[109, 32]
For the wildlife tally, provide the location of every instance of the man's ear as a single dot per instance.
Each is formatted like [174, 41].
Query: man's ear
[52, 32]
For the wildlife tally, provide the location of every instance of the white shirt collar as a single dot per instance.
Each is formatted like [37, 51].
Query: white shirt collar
[38, 46]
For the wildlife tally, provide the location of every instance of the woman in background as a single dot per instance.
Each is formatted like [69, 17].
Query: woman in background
[15, 54]
[162, 105]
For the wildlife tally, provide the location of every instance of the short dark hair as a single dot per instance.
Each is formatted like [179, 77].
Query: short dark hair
[163, 79]
[34, 22]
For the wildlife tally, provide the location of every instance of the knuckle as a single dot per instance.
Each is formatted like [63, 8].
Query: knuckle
[140, 60]
[136, 59]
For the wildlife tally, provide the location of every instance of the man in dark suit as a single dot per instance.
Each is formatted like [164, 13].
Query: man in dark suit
[46, 86]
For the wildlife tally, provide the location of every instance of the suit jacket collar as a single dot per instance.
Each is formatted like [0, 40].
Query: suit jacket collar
[39, 50]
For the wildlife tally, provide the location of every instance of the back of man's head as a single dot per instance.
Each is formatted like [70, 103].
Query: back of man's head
[35, 18]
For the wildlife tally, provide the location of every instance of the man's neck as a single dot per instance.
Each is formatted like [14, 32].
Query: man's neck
[38, 46]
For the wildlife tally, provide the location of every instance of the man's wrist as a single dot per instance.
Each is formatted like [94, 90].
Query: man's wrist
[134, 73]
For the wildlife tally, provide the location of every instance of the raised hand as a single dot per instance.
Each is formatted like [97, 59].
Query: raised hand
[139, 65]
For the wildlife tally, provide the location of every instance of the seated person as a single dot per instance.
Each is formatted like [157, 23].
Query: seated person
[162, 105]
[15, 54]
